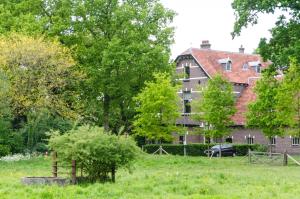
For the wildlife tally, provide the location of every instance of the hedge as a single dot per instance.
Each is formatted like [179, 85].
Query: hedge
[198, 149]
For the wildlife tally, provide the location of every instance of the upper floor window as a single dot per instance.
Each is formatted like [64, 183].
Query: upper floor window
[245, 66]
[187, 72]
[226, 64]
[258, 68]
[187, 96]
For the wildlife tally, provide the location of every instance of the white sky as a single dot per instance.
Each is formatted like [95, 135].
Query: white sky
[213, 20]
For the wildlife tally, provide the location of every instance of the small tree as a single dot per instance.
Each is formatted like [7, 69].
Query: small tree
[216, 107]
[288, 96]
[262, 113]
[158, 109]
[96, 152]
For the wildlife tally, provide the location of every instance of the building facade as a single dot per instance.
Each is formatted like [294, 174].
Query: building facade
[197, 65]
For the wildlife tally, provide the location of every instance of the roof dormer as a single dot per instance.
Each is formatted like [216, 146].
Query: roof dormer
[225, 63]
[256, 65]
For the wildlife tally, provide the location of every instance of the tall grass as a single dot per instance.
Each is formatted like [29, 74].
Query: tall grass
[162, 177]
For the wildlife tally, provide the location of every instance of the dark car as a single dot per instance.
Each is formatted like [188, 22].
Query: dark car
[226, 150]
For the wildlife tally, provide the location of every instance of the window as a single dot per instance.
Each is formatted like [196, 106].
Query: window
[228, 66]
[258, 68]
[250, 140]
[187, 72]
[272, 140]
[187, 106]
[295, 141]
[245, 66]
[187, 96]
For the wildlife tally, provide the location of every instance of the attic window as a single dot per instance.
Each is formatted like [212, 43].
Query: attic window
[245, 66]
[258, 68]
[256, 65]
[226, 64]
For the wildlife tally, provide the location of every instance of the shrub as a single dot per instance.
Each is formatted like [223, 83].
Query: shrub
[40, 147]
[198, 149]
[96, 152]
[4, 150]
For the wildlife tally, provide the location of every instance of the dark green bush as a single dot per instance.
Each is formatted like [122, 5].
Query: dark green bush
[198, 149]
[4, 150]
[97, 152]
[40, 147]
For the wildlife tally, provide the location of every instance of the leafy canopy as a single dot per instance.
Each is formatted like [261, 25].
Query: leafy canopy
[288, 96]
[157, 109]
[216, 106]
[115, 42]
[262, 113]
[285, 41]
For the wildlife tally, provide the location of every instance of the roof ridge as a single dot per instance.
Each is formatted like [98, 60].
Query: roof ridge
[222, 51]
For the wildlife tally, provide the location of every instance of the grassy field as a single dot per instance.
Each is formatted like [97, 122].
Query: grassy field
[163, 177]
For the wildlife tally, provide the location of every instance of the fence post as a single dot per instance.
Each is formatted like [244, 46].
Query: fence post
[285, 158]
[54, 164]
[73, 171]
[249, 155]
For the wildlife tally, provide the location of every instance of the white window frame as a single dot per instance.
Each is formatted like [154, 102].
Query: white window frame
[295, 141]
[273, 140]
[249, 139]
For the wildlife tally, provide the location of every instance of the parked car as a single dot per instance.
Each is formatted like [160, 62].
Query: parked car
[226, 150]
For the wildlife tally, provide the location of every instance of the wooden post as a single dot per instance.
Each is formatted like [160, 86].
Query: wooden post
[285, 158]
[54, 164]
[249, 154]
[113, 174]
[73, 171]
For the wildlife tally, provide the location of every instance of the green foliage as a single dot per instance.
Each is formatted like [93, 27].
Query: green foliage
[4, 150]
[216, 106]
[198, 149]
[95, 151]
[262, 113]
[40, 75]
[157, 109]
[115, 42]
[288, 96]
[285, 41]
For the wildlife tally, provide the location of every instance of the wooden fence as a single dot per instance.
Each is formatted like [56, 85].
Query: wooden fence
[56, 166]
[270, 158]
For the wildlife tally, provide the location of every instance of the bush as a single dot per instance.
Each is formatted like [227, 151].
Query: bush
[4, 150]
[96, 152]
[198, 149]
[40, 147]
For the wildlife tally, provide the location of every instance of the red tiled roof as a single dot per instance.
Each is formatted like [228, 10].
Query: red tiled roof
[208, 60]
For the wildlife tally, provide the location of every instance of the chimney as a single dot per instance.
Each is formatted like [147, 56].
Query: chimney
[242, 49]
[205, 44]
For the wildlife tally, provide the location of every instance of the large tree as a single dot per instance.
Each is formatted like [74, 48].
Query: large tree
[42, 79]
[215, 107]
[262, 113]
[285, 41]
[288, 96]
[158, 109]
[119, 44]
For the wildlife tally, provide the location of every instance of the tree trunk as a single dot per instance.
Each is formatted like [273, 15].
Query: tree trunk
[106, 104]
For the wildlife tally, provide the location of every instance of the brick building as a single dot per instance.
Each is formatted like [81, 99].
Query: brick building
[200, 64]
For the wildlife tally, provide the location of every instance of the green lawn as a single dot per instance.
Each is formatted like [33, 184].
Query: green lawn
[163, 177]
